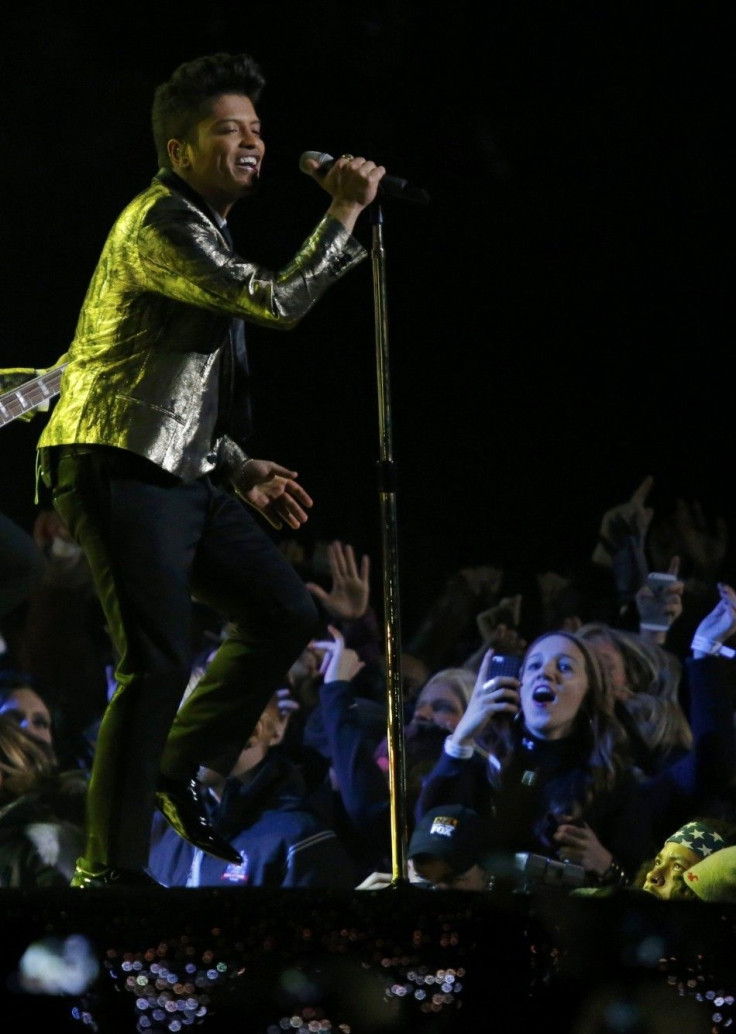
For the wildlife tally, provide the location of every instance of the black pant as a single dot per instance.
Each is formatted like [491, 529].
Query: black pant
[153, 542]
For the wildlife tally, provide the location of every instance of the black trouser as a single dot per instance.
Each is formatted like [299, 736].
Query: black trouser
[153, 542]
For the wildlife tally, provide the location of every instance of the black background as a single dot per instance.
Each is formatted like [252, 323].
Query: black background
[558, 315]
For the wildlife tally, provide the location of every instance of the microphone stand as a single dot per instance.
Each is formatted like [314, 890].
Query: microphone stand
[392, 617]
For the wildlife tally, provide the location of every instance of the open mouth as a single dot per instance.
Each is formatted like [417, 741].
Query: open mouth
[543, 695]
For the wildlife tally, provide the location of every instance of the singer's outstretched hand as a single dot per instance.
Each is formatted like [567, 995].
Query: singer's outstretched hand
[271, 489]
[352, 182]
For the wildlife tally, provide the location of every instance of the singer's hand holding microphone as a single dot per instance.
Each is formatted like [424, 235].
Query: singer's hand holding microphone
[352, 182]
[361, 180]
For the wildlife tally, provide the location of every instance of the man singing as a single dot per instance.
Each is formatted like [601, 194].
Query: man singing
[144, 456]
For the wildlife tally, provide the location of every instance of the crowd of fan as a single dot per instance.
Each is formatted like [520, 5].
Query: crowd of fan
[606, 761]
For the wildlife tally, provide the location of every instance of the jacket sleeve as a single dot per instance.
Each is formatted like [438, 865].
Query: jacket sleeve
[180, 255]
[361, 783]
[318, 859]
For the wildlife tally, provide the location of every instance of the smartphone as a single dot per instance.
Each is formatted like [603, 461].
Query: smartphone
[504, 664]
[651, 608]
[658, 581]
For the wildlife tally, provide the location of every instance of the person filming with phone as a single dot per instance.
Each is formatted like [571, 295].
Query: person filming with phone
[557, 777]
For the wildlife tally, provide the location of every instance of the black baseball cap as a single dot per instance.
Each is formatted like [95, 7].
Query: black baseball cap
[455, 834]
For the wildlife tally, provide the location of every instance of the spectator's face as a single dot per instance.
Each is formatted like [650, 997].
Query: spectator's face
[269, 731]
[438, 872]
[440, 705]
[30, 712]
[664, 879]
[414, 673]
[554, 682]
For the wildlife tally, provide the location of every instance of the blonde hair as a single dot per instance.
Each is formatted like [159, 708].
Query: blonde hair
[25, 763]
[460, 680]
[653, 675]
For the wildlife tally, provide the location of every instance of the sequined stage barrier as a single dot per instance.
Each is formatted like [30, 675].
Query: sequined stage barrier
[251, 961]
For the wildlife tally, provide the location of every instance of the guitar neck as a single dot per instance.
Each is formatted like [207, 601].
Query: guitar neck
[30, 395]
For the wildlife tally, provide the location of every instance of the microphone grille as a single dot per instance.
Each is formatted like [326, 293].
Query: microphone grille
[321, 157]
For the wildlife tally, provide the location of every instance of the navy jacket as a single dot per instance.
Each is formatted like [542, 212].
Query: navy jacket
[281, 840]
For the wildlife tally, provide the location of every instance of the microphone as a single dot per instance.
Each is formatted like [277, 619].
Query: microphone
[393, 186]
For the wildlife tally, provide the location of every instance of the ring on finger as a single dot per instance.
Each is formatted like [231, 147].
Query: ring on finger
[347, 157]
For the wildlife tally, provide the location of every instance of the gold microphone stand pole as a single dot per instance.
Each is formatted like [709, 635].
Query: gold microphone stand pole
[392, 618]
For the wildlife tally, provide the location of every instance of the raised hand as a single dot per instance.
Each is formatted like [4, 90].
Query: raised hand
[498, 625]
[497, 697]
[507, 640]
[348, 596]
[621, 542]
[671, 602]
[631, 518]
[483, 581]
[339, 663]
[703, 545]
[720, 624]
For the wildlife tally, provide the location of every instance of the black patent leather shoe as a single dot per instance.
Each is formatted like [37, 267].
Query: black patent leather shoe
[180, 802]
[108, 876]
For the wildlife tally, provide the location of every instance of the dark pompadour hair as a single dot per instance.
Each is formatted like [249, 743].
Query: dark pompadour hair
[184, 99]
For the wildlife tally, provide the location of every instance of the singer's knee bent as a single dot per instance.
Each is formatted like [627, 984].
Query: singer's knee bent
[304, 619]
[282, 633]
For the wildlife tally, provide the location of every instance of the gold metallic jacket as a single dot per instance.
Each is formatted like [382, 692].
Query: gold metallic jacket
[144, 366]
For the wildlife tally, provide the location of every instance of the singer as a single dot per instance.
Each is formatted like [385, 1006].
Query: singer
[145, 456]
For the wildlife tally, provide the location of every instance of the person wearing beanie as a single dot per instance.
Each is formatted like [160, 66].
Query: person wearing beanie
[686, 848]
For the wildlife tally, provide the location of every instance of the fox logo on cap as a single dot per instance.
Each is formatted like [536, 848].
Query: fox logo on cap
[443, 826]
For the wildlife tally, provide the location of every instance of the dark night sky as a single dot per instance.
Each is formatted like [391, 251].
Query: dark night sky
[558, 325]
